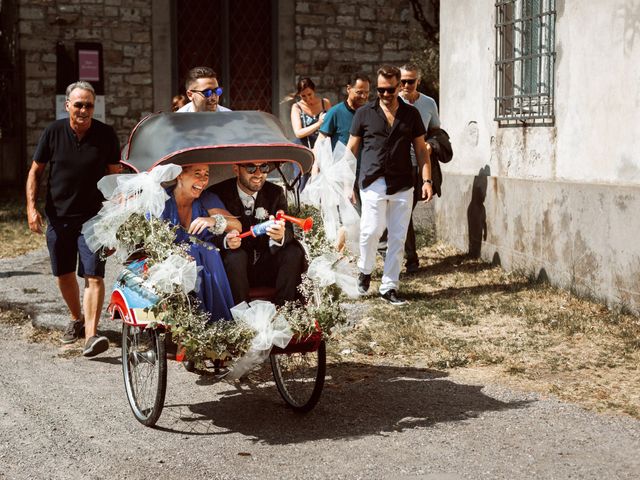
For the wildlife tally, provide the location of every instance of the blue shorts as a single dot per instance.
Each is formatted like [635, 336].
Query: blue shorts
[67, 248]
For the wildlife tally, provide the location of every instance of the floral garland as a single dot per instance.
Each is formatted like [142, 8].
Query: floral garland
[192, 328]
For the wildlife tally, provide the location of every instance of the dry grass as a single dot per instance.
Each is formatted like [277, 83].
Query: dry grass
[481, 324]
[15, 236]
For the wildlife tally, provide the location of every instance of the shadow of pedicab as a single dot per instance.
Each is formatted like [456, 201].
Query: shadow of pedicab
[359, 400]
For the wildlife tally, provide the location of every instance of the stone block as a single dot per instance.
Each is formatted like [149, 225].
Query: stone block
[141, 37]
[121, 34]
[141, 65]
[302, 7]
[368, 13]
[31, 13]
[309, 44]
[305, 19]
[111, 11]
[345, 20]
[25, 28]
[312, 32]
[112, 56]
[346, 9]
[325, 9]
[138, 79]
[120, 111]
[354, 34]
[132, 51]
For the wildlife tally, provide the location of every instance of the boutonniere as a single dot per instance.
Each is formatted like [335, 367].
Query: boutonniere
[261, 214]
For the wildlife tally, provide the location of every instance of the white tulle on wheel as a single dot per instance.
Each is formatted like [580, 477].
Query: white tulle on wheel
[271, 330]
[330, 190]
[125, 195]
[335, 268]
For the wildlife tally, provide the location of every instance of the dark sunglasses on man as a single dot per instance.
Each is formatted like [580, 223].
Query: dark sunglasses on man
[389, 90]
[81, 105]
[251, 168]
[209, 92]
[409, 81]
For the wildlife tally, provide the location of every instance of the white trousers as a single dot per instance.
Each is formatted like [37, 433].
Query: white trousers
[380, 211]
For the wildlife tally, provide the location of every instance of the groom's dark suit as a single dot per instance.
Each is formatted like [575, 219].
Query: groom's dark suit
[256, 263]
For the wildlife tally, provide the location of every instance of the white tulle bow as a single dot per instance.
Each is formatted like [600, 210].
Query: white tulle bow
[125, 195]
[271, 329]
[174, 271]
[330, 190]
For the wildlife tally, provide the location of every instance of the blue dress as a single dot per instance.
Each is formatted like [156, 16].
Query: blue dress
[213, 292]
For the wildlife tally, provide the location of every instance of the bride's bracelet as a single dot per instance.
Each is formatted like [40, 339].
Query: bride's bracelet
[220, 225]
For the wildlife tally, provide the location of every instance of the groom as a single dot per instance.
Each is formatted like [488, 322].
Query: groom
[275, 259]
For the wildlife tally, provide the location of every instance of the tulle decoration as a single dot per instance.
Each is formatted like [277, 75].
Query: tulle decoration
[271, 329]
[127, 194]
[334, 268]
[330, 190]
[174, 270]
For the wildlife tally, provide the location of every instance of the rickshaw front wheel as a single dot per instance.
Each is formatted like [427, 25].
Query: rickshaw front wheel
[300, 377]
[144, 367]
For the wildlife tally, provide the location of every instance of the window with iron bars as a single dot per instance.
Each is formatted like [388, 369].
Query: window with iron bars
[525, 57]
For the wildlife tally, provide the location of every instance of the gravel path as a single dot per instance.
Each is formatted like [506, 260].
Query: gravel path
[64, 417]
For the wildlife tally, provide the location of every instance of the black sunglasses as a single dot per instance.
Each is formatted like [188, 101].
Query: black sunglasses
[410, 81]
[206, 93]
[81, 105]
[389, 90]
[251, 168]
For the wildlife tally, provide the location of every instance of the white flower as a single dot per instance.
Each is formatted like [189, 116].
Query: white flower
[261, 213]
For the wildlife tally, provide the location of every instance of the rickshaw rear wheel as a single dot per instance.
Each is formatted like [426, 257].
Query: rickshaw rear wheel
[144, 367]
[300, 377]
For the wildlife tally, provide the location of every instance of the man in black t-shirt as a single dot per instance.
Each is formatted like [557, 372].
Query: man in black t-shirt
[80, 151]
[385, 129]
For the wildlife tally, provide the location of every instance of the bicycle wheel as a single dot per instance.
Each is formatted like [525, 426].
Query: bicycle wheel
[300, 377]
[144, 367]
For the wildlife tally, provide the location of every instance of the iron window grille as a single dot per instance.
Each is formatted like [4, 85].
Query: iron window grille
[525, 59]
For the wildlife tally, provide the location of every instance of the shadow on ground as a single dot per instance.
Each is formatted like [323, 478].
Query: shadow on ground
[358, 400]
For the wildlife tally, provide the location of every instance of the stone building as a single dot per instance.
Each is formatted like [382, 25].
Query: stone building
[258, 47]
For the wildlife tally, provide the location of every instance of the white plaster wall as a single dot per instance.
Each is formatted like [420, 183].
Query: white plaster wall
[466, 81]
[598, 90]
[562, 198]
[596, 137]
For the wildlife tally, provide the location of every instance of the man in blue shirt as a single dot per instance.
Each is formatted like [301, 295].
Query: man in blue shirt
[337, 121]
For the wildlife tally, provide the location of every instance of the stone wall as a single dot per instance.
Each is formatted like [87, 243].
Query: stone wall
[332, 39]
[336, 38]
[124, 29]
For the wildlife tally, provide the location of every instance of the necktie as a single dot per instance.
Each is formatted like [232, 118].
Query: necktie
[248, 206]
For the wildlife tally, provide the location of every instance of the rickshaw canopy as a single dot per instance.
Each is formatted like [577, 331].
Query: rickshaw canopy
[215, 138]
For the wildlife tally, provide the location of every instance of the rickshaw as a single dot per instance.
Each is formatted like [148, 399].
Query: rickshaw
[221, 140]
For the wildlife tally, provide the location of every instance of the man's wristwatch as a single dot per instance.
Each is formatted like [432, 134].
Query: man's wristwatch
[429, 181]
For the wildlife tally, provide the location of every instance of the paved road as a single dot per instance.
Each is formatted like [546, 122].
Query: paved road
[64, 416]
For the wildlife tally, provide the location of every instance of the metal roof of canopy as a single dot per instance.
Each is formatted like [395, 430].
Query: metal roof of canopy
[216, 138]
